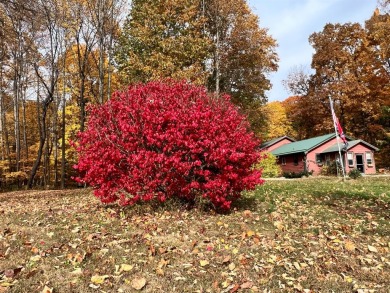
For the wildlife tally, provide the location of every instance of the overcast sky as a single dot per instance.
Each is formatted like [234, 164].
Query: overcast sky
[291, 22]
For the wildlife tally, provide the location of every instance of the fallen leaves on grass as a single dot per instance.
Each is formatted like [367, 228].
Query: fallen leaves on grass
[290, 239]
[138, 283]
[96, 279]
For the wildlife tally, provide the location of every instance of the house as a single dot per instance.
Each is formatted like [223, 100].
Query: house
[275, 143]
[314, 153]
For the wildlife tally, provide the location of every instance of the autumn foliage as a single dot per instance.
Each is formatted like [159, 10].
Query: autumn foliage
[157, 141]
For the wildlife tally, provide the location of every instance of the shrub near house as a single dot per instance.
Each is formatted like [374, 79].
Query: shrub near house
[158, 140]
[269, 166]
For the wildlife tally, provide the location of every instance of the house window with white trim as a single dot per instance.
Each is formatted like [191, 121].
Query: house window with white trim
[369, 158]
[350, 159]
[283, 161]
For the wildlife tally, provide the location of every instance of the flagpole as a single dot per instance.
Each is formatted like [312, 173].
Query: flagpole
[337, 136]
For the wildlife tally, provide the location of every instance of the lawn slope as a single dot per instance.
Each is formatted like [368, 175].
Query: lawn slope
[309, 235]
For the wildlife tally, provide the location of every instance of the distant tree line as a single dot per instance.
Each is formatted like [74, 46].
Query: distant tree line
[351, 64]
[57, 57]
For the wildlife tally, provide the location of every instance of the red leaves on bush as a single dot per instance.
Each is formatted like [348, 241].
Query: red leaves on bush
[159, 140]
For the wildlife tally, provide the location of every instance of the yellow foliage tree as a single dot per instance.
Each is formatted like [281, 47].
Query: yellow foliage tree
[277, 121]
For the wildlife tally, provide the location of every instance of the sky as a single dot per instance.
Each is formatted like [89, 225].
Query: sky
[291, 22]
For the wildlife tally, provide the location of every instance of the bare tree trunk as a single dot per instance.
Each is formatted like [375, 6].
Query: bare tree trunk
[82, 65]
[5, 142]
[5, 146]
[25, 142]
[39, 155]
[55, 145]
[110, 44]
[42, 138]
[46, 167]
[2, 126]
[217, 67]
[63, 141]
[63, 124]
[18, 92]
[82, 104]
[16, 119]
[52, 17]
[100, 30]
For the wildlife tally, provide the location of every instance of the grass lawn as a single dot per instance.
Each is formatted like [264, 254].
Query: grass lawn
[308, 235]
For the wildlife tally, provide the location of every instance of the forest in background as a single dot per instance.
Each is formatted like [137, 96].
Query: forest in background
[58, 56]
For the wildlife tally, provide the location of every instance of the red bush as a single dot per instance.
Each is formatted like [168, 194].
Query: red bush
[167, 140]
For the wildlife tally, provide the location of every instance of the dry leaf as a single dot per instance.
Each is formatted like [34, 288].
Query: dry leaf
[47, 290]
[235, 288]
[232, 266]
[204, 263]
[247, 213]
[126, 267]
[35, 258]
[225, 284]
[349, 246]
[76, 230]
[77, 271]
[348, 279]
[96, 279]
[163, 263]
[226, 259]
[250, 233]
[138, 283]
[6, 284]
[162, 250]
[246, 285]
[372, 248]
[278, 225]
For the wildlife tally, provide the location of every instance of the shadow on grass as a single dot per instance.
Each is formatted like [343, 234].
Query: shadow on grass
[200, 205]
[246, 202]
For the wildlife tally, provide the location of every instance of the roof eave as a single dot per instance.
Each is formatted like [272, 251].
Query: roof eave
[290, 153]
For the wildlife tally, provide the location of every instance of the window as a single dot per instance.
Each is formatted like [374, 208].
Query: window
[283, 161]
[369, 158]
[295, 160]
[318, 159]
[350, 159]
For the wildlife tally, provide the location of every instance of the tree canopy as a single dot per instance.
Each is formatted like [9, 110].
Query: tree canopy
[351, 65]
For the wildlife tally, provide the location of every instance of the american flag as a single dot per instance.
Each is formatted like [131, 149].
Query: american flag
[338, 127]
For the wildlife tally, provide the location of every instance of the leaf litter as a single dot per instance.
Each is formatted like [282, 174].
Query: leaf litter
[299, 236]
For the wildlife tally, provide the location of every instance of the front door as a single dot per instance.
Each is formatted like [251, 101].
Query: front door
[360, 163]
